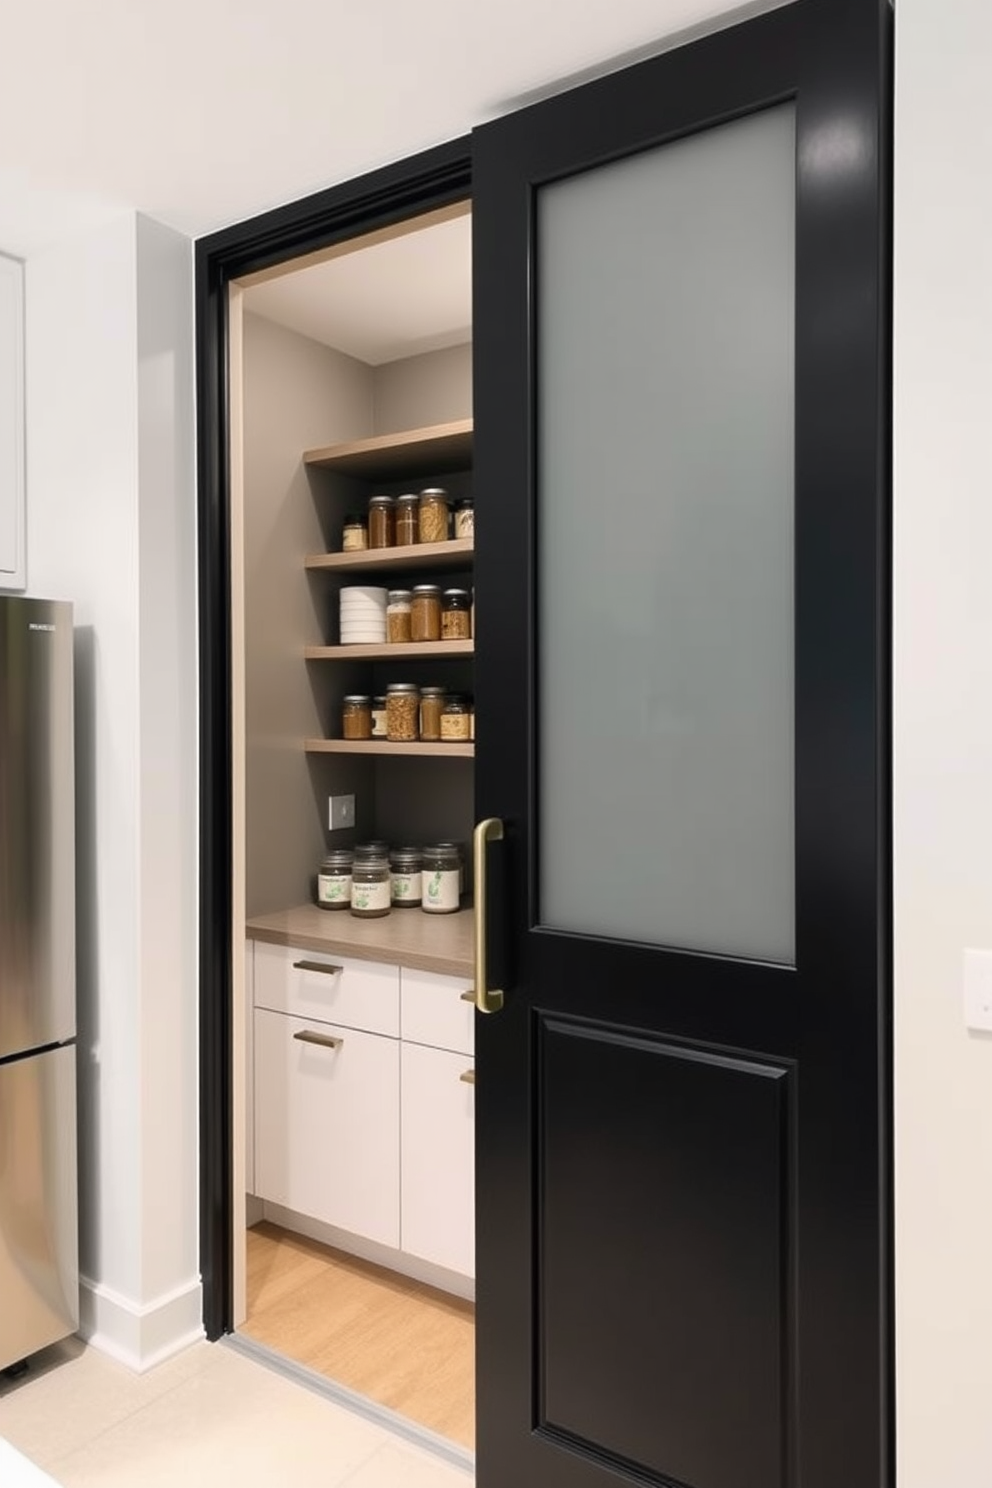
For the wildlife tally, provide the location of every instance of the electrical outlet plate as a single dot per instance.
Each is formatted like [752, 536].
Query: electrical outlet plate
[978, 990]
[340, 812]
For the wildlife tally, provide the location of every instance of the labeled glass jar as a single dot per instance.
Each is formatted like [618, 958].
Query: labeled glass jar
[356, 717]
[434, 513]
[370, 888]
[441, 879]
[402, 712]
[456, 719]
[334, 880]
[398, 631]
[431, 708]
[382, 522]
[407, 519]
[379, 718]
[465, 517]
[366, 850]
[456, 615]
[405, 865]
[425, 613]
[354, 533]
[456, 848]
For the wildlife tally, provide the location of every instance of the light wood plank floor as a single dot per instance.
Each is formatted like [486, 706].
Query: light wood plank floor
[394, 1340]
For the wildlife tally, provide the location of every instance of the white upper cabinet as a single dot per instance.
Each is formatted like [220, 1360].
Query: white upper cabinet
[12, 575]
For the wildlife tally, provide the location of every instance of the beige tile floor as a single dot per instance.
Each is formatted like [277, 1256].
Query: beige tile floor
[206, 1419]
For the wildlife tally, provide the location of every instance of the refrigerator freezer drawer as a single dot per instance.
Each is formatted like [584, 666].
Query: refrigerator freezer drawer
[39, 1274]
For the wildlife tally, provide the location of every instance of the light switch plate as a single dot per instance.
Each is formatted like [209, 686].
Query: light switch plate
[978, 990]
[340, 812]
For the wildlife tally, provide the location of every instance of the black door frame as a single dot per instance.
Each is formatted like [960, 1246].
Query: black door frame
[420, 184]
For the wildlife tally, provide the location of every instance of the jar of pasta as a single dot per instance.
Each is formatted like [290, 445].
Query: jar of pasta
[356, 717]
[425, 613]
[407, 519]
[382, 522]
[398, 630]
[402, 712]
[431, 708]
[456, 615]
[434, 513]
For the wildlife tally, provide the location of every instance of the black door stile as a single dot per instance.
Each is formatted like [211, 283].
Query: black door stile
[800, 1057]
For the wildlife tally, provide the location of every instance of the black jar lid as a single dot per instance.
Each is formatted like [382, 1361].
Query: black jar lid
[457, 597]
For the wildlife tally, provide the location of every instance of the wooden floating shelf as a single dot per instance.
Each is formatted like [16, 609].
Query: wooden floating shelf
[407, 651]
[455, 554]
[389, 746]
[441, 447]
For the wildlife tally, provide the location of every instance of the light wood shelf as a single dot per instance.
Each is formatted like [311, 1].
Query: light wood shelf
[390, 746]
[458, 553]
[422, 942]
[441, 447]
[405, 651]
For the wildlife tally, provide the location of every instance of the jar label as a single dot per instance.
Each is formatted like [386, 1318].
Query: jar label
[334, 888]
[441, 888]
[454, 726]
[370, 896]
[406, 887]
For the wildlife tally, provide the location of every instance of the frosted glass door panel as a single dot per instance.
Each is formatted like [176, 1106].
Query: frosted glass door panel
[665, 320]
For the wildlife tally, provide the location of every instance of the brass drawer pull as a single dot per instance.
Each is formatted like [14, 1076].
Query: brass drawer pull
[325, 1040]
[468, 996]
[468, 1078]
[323, 966]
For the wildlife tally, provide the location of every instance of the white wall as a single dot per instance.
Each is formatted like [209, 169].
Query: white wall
[943, 738]
[110, 526]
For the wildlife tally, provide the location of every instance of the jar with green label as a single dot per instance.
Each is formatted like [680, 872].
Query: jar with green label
[370, 888]
[334, 880]
[405, 865]
[441, 881]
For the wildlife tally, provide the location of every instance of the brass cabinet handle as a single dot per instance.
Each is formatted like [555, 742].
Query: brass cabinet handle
[468, 996]
[323, 966]
[487, 999]
[468, 1078]
[325, 1040]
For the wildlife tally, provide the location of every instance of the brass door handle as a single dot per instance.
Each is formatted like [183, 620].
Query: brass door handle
[487, 999]
[468, 1078]
[325, 1040]
[323, 966]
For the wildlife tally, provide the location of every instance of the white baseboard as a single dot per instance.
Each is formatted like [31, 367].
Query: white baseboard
[369, 1250]
[140, 1334]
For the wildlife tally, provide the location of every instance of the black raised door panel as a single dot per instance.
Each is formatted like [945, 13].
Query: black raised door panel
[683, 1154]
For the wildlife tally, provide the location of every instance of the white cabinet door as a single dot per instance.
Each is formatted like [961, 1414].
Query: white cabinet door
[12, 511]
[327, 1123]
[437, 1010]
[438, 1201]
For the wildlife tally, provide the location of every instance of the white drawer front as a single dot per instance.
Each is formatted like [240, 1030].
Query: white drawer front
[313, 984]
[434, 1012]
[438, 1196]
[327, 1124]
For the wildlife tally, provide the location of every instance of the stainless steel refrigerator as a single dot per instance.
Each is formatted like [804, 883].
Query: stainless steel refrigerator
[39, 1278]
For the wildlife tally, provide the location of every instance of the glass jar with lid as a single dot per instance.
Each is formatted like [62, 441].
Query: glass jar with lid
[356, 716]
[456, 615]
[354, 533]
[402, 712]
[431, 708]
[441, 879]
[407, 519]
[398, 605]
[434, 513]
[376, 849]
[405, 865]
[465, 517]
[382, 522]
[456, 719]
[334, 880]
[456, 848]
[370, 887]
[378, 718]
[425, 612]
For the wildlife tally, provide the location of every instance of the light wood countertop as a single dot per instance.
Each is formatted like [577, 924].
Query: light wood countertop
[407, 937]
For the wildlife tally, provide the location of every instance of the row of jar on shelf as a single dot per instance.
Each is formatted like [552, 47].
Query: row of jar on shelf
[428, 516]
[372, 879]
[409, 713]
[372, 616]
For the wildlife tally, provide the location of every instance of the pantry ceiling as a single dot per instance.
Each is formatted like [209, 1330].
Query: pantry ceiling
[204, 112]
[396, 299]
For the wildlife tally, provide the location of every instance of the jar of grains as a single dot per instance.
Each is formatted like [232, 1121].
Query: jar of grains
[370, 888]
[378, 718]
[382, 522]
[433, 516]
[431, 708]
[405, 864]
[425, 613]
[456, 615]
[407, 519]
[356, 717]
[465, 518]
[354, 534]
[441, 880]
[398, 616]
[334, 880]
[402, 711]
[456, 725]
